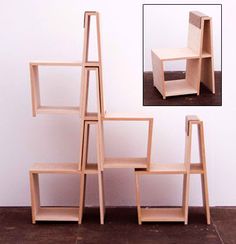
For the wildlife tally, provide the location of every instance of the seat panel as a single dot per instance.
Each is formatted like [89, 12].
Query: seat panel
[166, 54]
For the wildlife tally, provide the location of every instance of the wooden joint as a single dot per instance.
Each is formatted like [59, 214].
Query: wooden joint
[189, 120]
[89, 13]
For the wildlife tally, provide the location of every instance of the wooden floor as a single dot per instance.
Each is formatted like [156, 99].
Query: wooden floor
[152, 97]
[120, 228]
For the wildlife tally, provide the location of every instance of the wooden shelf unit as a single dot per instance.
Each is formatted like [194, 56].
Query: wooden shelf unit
[186, 169]
[40, 213]
[83, 168]
[198, 56]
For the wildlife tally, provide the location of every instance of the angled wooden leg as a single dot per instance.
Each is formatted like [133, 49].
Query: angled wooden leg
[35, 197]
[187, 160]
[204, 183]
[186, 197]
[138, 197]
[101, 197]
[205, 197]
[158, 74]
[82, 196]
[100, 174]
[83, 175]
[149, 144]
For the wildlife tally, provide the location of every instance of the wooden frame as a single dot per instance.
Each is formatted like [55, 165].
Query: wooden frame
[177, 214]
[198, 168]
[186, 168]
[40, 213]
[131, 162]
[198, 56]
[37, 107]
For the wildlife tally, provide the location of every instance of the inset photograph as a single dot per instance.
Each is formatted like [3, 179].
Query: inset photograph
[182, 54]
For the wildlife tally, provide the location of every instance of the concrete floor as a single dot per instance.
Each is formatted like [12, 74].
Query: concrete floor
[120, 227]
[152, 97]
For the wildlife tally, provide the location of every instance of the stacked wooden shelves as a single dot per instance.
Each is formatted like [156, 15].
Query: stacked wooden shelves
[83, 168]
[199, 60]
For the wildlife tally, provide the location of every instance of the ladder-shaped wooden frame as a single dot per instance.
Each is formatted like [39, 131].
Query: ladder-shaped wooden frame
[186, 169]
[198, 56]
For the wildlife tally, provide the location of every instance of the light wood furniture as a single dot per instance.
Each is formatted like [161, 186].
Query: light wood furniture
[131, 162]
[82, 167]
[185, 169]
[199, 60]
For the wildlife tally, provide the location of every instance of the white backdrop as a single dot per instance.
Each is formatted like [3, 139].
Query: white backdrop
[52, 30]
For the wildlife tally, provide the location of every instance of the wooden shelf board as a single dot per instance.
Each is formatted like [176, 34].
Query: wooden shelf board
[168, 54]
[56, 63]
[161, 168]
[127, 116]
[91, 116]
[125, 163]
[162, 214]
[196, 168]
[57, 214]
[92, 64]
[91, 169]
[55, 168]
[178, 87]
[57, 110]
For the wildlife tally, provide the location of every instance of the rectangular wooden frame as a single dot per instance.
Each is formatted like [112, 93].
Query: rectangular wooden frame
[130, 162]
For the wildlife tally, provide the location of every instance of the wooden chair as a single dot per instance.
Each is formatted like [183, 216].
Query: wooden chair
[199, 60]
[177, 214]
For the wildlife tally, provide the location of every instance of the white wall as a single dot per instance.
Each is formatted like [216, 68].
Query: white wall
[52, 30]
[166, 26]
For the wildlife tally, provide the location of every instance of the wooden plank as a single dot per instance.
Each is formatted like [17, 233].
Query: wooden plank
[162, 214]
[35, 196]
[193, 74]
[58, 110]
[138, 203]
[168, 54]
[125, 163]
[195, 39]
[127, 117]
[158, 73]
[57, 214]
[56, 63]
[55, 168]
[35, 89]
[204, 182]
[179, 87]
[161, 168]
[149, 143]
